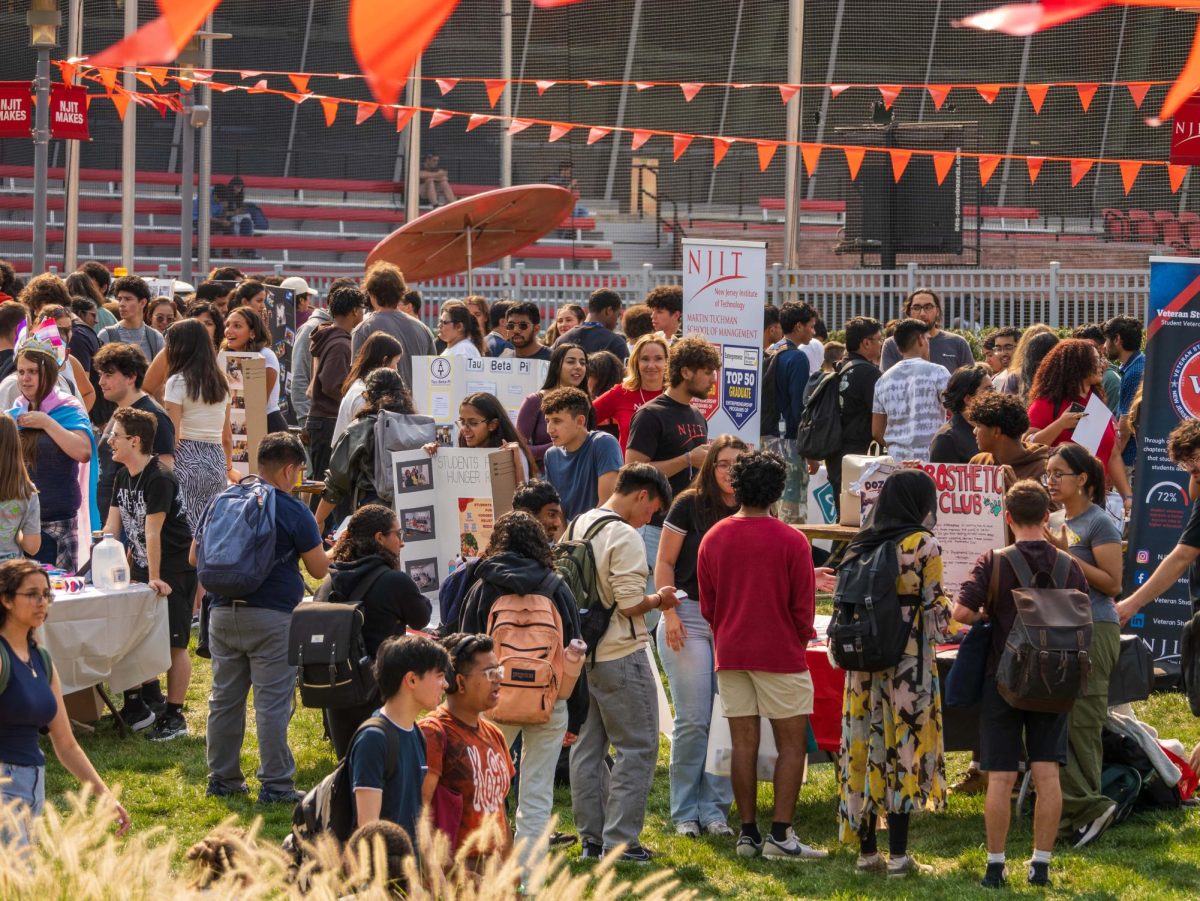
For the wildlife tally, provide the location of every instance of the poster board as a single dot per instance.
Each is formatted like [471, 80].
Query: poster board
[447, 505]
[247, 375]
[161, 287]
[441, 383]
[970, 516]
[724, 293]
[1161, 504]
[281, 324]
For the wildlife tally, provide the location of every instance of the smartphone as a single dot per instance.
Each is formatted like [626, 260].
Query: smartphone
[1076, 408]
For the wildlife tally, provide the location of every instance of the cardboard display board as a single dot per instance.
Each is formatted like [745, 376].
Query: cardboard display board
[161, 287]
[247, 374]
[441, 383]
[447, 505]
[970, 516]
[724, 293]
[281, 324]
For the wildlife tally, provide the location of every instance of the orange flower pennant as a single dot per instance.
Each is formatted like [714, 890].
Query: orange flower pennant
[989, 92]
[987, 165]
[890, 93]
[1034, 165]
[299, 82]
[1176, 174]
[938, 94]
[495, 89]
[811, 153]
[330, 105]
[1086, 92]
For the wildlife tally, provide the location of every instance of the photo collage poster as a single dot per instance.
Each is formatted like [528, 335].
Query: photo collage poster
[281, 325]
[246, 373]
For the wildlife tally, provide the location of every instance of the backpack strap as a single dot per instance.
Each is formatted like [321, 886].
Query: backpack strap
[1062, 569]
[363, 586]
[49, 664]
[5, 668]
[393, 742]
[598, 526]
[1019, 564]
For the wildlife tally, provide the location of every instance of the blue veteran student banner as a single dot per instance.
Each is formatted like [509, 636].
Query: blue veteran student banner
[1170, 394]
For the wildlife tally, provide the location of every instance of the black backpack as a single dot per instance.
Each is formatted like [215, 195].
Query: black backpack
[325, 643]
[575, 562]
[867, 633]
[1189, 662]
[1155, 794]
[329, 805]
[769, 418]
[819, 435]
[452, 595]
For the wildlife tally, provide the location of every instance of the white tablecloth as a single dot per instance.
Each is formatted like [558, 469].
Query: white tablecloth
[118, 637]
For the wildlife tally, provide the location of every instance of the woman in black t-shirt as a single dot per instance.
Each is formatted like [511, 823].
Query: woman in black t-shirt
[699, 800]
[955, 441]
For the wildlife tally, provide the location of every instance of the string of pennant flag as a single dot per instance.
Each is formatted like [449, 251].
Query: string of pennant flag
[811, 153]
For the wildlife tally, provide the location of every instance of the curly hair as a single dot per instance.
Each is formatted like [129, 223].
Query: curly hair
[378, 850]
[42, 290]
[1002, 411]
[665, 297]
[568, 400]
[219, 853]
[1184, 440]
[384, 389]
[694, 353]
[518, 532]
[1063, 374]
[964, 382]
[358, 540]
[12, 574]
[758, 479]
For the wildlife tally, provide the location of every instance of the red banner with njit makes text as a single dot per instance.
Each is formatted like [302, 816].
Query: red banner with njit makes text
[16, 109]
[1185, 134]
[68, 113]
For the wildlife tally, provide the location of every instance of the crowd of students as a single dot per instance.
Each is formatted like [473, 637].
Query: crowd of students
[622, 465]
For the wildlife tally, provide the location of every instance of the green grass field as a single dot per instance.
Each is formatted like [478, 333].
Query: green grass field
[1150, 856]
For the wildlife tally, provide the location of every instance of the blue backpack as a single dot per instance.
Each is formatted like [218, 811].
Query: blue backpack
[235, 543]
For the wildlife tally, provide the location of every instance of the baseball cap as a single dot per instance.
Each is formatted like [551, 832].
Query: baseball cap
[297, 285]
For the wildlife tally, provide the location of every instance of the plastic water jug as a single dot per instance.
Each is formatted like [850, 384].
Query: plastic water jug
[110, 568]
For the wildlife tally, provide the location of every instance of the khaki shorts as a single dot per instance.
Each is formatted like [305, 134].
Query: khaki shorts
[777, 696]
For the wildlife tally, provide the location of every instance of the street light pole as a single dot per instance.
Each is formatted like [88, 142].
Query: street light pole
[43, 20]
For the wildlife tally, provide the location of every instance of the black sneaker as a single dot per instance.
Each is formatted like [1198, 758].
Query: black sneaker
[636, 854]
[137, 715]
[1039, 872]
[169, 727]
[563, 839]
[158, 705]
[218, 790]
[995, 877]
[283, 797]
[591, 850]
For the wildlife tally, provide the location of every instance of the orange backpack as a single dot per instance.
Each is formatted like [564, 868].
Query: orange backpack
[528, 633]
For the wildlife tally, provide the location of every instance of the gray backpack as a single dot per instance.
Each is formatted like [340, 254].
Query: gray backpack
[397, 432]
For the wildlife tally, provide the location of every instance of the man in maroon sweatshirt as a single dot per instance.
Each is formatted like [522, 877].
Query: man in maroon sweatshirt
[331, 363]
[762, 621]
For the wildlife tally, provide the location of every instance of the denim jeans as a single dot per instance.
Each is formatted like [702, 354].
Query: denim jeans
[540, 747]
[27, 786]
[651, 536]
[696, 796]
[249, 648]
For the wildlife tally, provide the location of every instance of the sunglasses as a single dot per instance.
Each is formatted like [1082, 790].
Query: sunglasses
[520, 326]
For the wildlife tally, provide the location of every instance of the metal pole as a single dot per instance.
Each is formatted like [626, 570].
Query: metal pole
[795, 75]
[470, 259]
[937, 17]
[1112, 93]
[412, 181]
[186, 189]
[71, 179]
[204, 220]
[737, 29]
[129, 153]
[41, 159]
[825, 95]
[616, 144]
[506, 17]
[287, 157]
[1016, 118]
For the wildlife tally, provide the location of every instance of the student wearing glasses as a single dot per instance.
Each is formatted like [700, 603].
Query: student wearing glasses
[31, 702]
[483, 422]
[945, 349]
[459, 328]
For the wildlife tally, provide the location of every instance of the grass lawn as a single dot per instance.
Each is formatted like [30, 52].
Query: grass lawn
[1150, 856]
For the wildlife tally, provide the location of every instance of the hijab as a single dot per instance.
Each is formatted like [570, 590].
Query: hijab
[907, 503]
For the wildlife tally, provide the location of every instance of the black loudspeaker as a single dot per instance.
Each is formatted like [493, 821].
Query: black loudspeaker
[916, 214]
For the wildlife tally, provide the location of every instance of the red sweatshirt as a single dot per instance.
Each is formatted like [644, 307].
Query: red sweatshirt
[758, 593]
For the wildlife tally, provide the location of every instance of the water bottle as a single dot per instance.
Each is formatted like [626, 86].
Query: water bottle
[110, 568]
[573, 656]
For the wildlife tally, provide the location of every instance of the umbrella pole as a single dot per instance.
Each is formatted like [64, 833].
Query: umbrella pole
[470, 262]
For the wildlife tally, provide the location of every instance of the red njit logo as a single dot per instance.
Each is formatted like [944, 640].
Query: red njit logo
[1185, 134]
[1185, 383]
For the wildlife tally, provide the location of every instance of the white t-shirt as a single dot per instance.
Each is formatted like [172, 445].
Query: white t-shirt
[272, 363]
[815, 351]
[910, 393]
[351, 403]
[200, 421]
[463, 348]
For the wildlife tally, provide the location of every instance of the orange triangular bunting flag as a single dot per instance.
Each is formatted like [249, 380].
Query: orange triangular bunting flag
[202, 74]
[300, 82]
[642, 85]
[1079, 170]
[544, 86]
[330, 105]
[889, 92]
[788, 91]
[249, 73]
[639, 138]
[835, 89]
[557, 131]
[1176, 174]
[592, 84]
[221, 88]
[900, 160]
[67, 71]
[690, 90]
[108, 78]
[403, 115]
[158, 73]
[1037, 95]
[766, 151]
[260, 87]
[121, 102]
[1137, 90]
[596, 133]
[1034, 165]
[476, 120]
[854, 158]
[989, 92]
[365, 112]
[680, 143]
[495, 89]
[517, 125]
[942, 164]
[446, 85]
[987, 165]
[1129, 173]
[812, 155]
[1086, 92]
[295, 98]
[720, 148]
[438, 116]
[144, 78]
[186, 83]
[938, 94]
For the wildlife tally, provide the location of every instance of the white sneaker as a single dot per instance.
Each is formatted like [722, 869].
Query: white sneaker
[791, 848]
[1095, 828]
[717, 827]
[690, 829]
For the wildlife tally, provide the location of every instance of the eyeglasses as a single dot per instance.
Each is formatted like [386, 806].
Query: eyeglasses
[470, 423]
[1052, 476]
[922, 307]
[492, 673]
[520, 326]
[724, 466]
[35, 596]
[445, 322]
[116, 435]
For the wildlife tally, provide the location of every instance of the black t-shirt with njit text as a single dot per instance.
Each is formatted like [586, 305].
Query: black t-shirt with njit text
[663, 429]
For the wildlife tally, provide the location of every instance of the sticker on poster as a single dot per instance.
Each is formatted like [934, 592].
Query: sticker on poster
[739, 383]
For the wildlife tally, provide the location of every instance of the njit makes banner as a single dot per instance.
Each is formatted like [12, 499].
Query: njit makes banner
[1185, 134]
[16, 109]
[1171, 393]
[724, 293]
[68, 113]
